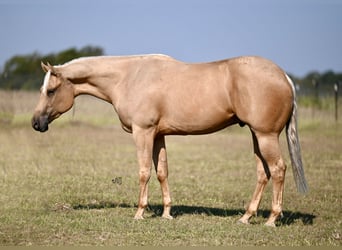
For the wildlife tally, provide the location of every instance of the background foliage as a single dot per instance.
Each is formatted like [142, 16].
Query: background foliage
[23, 72]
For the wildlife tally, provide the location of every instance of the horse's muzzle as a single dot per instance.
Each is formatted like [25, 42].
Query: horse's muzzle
[40, 123]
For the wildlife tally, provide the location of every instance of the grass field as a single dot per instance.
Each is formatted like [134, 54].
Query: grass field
[77, 184]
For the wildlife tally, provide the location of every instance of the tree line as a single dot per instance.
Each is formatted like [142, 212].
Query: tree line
[318, 84]
[23, 72]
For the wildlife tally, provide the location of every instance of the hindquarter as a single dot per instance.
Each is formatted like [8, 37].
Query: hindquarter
[262, 96]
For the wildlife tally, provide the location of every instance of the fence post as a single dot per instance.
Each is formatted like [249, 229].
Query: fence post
[316, 97]
[336, 87]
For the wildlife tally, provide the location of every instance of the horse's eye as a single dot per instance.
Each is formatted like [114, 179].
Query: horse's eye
[50, 92]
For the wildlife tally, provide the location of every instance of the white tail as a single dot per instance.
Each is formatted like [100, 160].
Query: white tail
[294, 146]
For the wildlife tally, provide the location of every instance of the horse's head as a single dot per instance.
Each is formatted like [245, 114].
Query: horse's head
[56, 97]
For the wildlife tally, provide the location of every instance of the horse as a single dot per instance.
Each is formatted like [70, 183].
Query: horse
[156, 95]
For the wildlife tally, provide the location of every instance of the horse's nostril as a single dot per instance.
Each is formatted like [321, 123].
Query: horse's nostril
[35, 126]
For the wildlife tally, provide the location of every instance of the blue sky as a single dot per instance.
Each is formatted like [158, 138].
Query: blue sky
[299, 35]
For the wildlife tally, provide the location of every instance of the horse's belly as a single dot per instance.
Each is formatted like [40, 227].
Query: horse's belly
[196, 123]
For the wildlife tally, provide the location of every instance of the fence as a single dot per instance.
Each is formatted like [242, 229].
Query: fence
[323, 97]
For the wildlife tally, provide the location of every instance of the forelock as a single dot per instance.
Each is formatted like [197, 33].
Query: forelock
[46, 82]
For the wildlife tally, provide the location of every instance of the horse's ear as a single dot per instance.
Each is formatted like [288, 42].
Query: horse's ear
[48, 67]
[45, 67]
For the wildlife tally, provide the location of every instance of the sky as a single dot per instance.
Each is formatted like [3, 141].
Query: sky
[299, 35]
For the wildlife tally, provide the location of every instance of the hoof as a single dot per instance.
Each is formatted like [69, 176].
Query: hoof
[167, 216]
[243, 221]
[270, 224]
[138, 217]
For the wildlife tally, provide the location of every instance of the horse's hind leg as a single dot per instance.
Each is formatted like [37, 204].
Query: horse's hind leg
[270, 151]
[263, 176]
[160, 163]
[273, 165]
[278, 170]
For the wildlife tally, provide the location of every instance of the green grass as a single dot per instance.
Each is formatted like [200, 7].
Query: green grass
[57, 188]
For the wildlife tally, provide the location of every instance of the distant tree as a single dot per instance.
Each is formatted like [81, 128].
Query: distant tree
[330, 77]
[24, 72]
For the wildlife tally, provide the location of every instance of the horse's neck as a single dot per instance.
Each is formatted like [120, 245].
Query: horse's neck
[97, 76]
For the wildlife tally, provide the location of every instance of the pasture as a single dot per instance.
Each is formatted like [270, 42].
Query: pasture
[77, 184]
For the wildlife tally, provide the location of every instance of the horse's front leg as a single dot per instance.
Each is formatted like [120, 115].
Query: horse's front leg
[160, 163]
[144, 143]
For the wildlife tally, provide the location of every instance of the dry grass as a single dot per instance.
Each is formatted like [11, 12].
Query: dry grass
[57, 187]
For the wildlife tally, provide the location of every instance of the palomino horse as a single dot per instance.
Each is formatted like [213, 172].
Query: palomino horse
[156, 95]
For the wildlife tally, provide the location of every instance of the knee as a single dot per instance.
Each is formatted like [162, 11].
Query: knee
[262, 177]
[144, 175]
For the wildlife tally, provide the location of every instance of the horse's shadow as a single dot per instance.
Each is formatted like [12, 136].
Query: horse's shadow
[288, 218]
